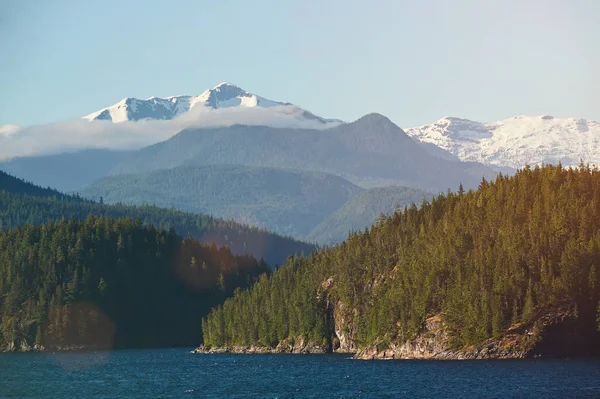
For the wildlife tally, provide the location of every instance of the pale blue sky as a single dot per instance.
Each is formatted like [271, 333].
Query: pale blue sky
[414, 61]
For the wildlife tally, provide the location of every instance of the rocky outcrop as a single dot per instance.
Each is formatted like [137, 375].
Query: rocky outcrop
[232, 349]
[300, 345]
[24, 347]
[433, 343]
[296, 345]
[557, 331]
[344, 341]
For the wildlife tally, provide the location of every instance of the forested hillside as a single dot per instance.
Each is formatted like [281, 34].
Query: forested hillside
[21, 203]
[282, 201]
[103, 283]
[484, 261]
[363, 210]
[12, 184]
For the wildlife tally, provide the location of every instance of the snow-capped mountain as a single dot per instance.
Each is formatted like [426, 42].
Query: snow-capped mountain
[516, 141]
[224, 95]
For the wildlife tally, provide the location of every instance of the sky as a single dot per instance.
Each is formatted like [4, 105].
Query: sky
[413, 61]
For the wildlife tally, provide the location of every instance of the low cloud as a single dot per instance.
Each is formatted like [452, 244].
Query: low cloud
[9, 130]
[80, 134]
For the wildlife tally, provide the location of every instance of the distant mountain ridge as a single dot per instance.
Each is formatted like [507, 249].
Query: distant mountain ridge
[317, 207]
[285, 202]
[66, 172]
[503, 145]
[363, 210]
[515, 142]
[247, 173]
[17, 185]
[371, 151]
[24, 203]
[224, 95]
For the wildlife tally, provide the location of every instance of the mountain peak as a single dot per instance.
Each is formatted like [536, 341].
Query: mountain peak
[516, 141]
[455, 119]
[226, 84]
[225, 92]
[223, 95]
[377, 121]
[374, 118]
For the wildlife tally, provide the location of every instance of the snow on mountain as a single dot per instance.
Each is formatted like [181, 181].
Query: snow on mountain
[516, 141]
[224, 95]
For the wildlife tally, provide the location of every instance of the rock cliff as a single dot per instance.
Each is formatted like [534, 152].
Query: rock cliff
[556, 331]
[297, 345]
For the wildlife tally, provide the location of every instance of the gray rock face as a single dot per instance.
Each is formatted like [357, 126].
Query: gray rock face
[344, 330]
[432, 343]
[297, 346]
[556, 332]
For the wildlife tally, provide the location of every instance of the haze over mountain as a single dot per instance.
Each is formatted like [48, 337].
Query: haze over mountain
[282, 201]
[134, 123]
[65, 172]
[212, 161]
[370, 152]
[145, 122]
[363, 210]
[516, 141]
[24, 203]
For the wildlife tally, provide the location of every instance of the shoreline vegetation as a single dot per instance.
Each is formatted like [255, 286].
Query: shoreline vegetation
[111, 283]
[509, 270]
[521, 341]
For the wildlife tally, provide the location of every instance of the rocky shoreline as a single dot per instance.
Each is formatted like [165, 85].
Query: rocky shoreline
[520, 341]
[24, 347]
[297, 345]
[252, 350]
[490, 352]
[433, 343]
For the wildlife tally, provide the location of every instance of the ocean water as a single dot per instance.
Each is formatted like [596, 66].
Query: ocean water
[175, 373]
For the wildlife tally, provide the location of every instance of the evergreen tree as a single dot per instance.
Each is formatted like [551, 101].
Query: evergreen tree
[482, 260]
[111, 283]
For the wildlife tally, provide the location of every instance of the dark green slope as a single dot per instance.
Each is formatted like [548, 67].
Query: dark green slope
[286, 202]
[484, 261]
[22, 203]
[363, 210]
[100, 284]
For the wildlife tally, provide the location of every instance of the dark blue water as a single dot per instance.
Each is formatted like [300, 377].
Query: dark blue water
[174, 373]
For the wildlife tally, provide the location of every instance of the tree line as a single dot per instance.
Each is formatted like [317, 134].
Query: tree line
[23, 203]
[484, 260]
[111, 283]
